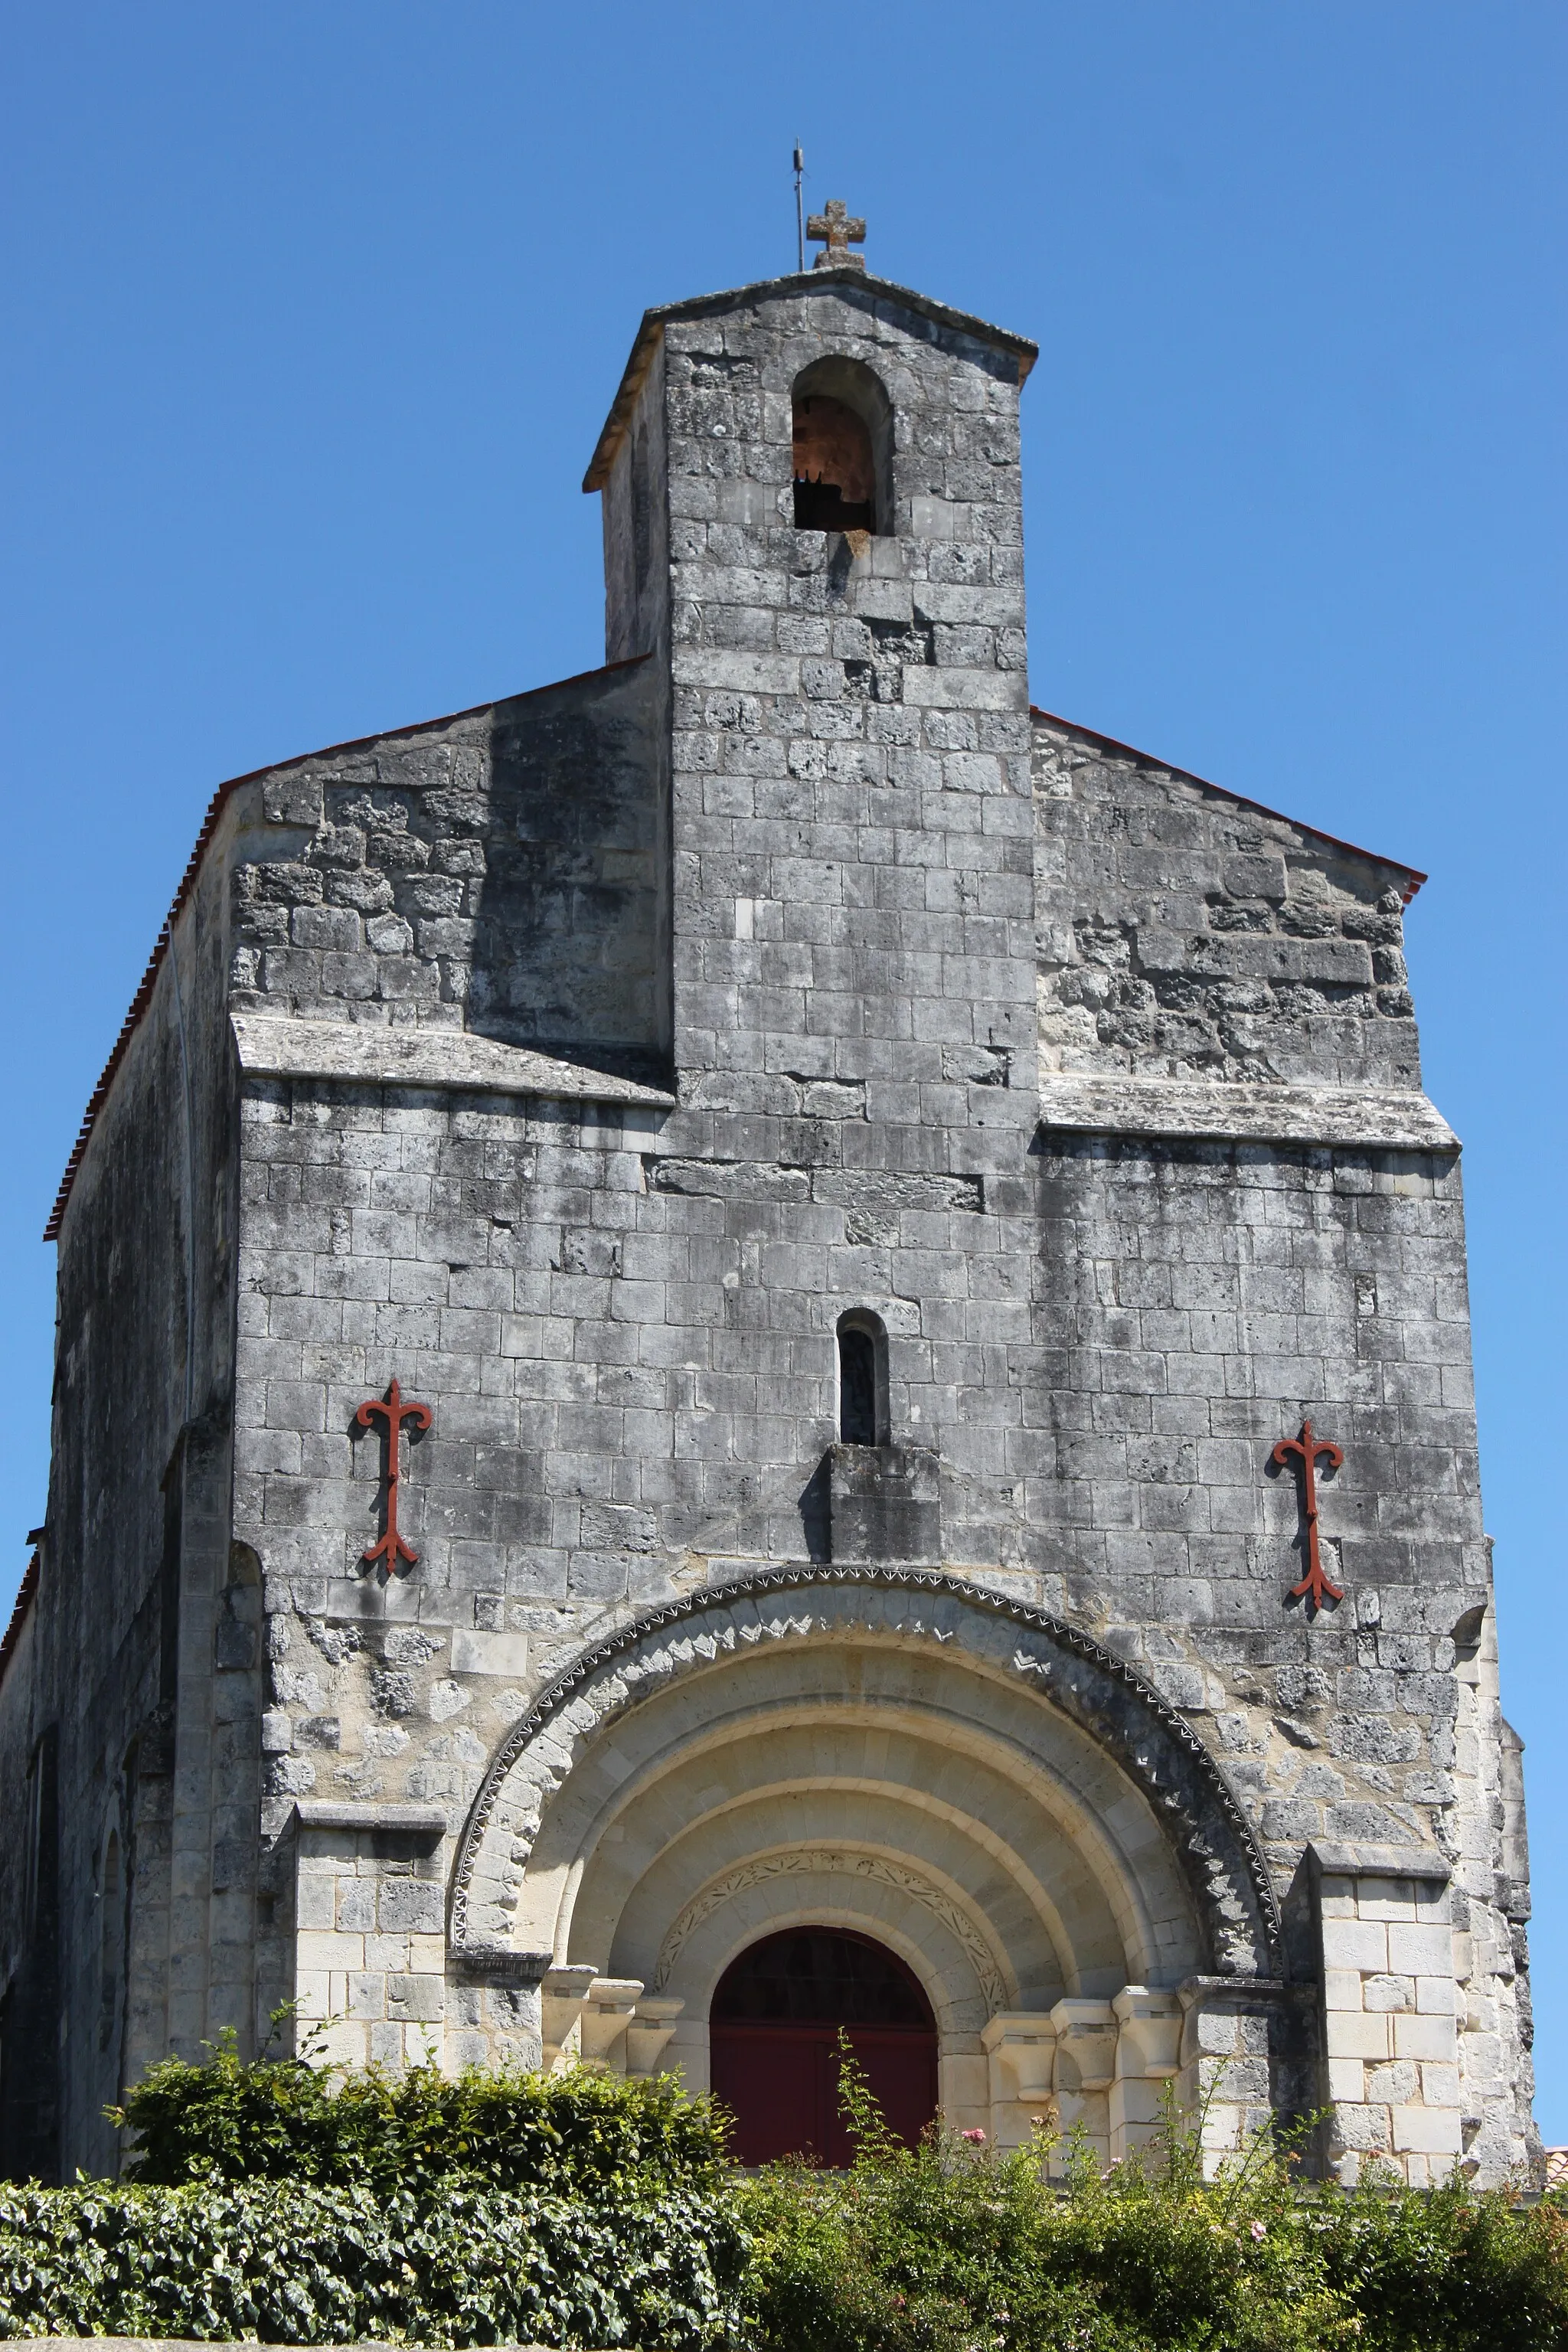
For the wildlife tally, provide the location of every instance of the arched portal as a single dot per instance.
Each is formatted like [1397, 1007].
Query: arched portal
[779, 2011]
[971, 1786]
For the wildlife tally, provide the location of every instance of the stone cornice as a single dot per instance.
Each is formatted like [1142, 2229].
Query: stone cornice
[1422, 1862]
[410, 1821]
[447, 1059]
[1349, 1118]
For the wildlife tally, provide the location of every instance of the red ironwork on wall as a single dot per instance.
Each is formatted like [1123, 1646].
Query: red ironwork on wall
[1314, 1587]
[394, 1412]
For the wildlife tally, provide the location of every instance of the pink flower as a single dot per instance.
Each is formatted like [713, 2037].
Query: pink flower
[1258, 2231]
[975, 2136]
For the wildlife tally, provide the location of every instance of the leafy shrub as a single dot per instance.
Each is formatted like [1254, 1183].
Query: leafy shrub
[952, 2248]
[281, 2202]
[1445, 2271]
[317, 2265]
[947, 2248]
[582, 2134]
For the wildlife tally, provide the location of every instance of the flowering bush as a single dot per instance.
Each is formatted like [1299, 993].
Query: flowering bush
[580, 2211]
[955, 2248]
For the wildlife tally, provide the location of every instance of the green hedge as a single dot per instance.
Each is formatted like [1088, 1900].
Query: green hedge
[314, 2265]
[578, 2134]
[297, 2206]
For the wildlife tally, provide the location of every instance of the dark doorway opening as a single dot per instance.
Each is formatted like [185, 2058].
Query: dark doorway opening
[774, 2038]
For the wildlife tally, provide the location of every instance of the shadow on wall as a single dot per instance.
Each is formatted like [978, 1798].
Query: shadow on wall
[562, 876]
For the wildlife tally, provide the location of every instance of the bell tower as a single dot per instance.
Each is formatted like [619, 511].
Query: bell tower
[849, 791]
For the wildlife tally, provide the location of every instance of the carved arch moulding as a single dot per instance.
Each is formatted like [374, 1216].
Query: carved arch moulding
[1201, 1816]
[811, 1862]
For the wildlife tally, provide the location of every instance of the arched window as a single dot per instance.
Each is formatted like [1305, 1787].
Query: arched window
[843, 434]
[862, 1381]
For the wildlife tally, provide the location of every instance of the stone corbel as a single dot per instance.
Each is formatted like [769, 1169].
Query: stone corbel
[565, 1992]
[1085, 2047]
[604, 2017]
[1020, 2046]
[1148, 2053]
[1150, 2040]
[653, 2023]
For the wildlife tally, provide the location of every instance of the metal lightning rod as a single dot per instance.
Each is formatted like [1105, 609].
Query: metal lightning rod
[799, 213]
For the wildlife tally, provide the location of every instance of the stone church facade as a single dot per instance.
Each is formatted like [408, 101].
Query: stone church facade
[859, 1177]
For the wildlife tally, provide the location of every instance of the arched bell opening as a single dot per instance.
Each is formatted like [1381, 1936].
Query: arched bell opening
[782, 2014]
[842, 439]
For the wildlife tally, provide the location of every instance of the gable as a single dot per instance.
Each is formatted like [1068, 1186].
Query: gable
[1189, 932]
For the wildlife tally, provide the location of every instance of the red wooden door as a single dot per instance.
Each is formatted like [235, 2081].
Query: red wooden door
[774, 2039]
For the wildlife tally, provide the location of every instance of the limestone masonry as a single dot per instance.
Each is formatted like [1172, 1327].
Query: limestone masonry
[862, 1174]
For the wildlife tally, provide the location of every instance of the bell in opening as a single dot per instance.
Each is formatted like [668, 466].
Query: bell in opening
[835, 473]
[778, 2014]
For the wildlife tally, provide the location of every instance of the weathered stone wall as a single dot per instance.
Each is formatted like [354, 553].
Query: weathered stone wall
[852, 800]
[152, 1753]
[812, 865]
[500, 872]
[29, 2092]
[1183, 933]
[1196, 1302]
[636, 527]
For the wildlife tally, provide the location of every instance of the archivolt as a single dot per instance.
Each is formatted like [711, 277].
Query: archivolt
[1153, 1743]
[805, 1861]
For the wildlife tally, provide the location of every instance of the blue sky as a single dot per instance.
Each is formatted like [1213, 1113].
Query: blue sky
[312, 314]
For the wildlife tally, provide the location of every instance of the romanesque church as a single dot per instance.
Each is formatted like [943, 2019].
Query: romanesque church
[761, 1343]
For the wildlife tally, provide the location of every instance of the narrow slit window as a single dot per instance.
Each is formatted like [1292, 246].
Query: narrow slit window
[857, 1386]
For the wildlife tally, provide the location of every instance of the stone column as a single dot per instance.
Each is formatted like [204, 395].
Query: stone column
[605, 2021]
[1085, 2070]
[1390, 1997]
[369, 1951]
[1021, 2048]
[566, 1990]
[648, 2034]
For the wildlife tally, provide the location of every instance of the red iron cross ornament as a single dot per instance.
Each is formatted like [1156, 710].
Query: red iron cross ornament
[394, 1412]
[1314, 1587]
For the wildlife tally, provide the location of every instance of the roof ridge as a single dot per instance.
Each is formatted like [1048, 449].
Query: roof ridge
[215, 808]
[1413, 874]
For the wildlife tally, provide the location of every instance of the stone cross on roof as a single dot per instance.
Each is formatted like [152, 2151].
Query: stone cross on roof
[838, 232]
